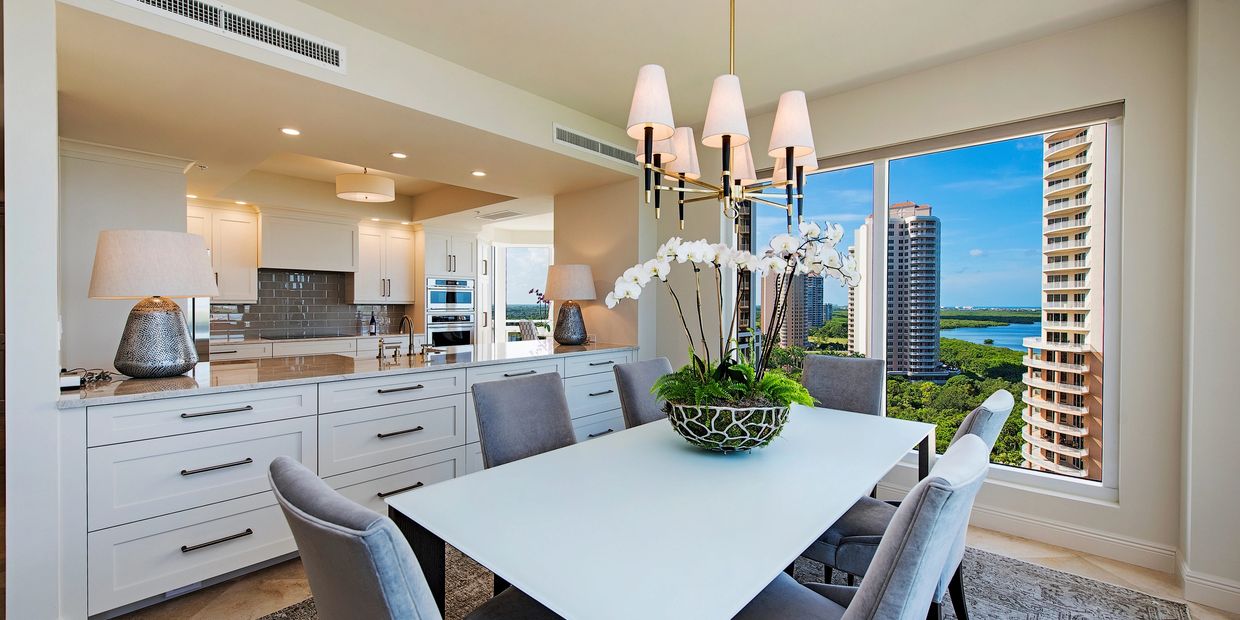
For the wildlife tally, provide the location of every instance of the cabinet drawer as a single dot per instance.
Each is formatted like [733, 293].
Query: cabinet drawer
[576, 365]
[598, 425]
[365, 486]
[220, 352]
[359, 438]
[358, 393]
[371, 345]
[131, 562]
[591, 394]
[499, 372]
[131, 481]
[107, 424]
[313, 347]
[473, 458]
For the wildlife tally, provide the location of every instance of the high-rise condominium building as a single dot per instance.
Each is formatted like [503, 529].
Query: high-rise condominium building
[913, 258]
[815, 313]
[859, 296]
[804, 310]
[1063, 398]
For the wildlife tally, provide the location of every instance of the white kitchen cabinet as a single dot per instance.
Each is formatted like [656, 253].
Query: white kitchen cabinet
[308, 242]
[232, 237]
[450, 254]
[385, 266]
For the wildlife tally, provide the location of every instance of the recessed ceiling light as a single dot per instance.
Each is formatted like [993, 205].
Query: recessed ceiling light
[398, 155]
[289, 131]
[478, 173]
[406, 223]
[191, 195]
[374, 219]
[240, 202]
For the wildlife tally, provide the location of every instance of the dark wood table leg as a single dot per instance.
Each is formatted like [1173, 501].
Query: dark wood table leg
[923, 458]
[500, 585]
[431, 554]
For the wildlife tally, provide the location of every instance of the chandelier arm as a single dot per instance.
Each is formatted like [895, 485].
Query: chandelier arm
[686, 190]
[767, 202]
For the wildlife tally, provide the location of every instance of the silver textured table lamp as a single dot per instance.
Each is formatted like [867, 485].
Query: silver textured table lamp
[567, 284]
[153, 266]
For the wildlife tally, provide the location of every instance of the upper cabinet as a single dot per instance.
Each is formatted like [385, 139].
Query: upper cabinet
[232, 237]
[308, 242]
[450, 254]
[385, 270]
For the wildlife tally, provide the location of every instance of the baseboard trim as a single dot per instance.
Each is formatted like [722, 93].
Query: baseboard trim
[1218, 592]
[1123, 548]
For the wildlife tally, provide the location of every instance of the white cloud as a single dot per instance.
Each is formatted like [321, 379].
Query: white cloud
[996, 184]
[976, 252]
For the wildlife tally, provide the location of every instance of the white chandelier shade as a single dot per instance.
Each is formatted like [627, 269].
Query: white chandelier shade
[684, 148]
[365, 187]
[725, 113]
[743, 170]
[652, 106]
[807, 163]
[791, 128]
[661, 148]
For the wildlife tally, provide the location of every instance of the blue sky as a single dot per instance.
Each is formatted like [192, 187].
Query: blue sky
[988, 197]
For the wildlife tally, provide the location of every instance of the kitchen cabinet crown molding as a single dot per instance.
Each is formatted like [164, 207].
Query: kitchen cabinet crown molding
[93, 151]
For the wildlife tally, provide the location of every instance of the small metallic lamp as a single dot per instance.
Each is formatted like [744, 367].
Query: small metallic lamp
[567, 284]
[154, 266]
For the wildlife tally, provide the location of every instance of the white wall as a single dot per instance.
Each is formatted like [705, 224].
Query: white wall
[103, 188]
[30, 237]
[1210, 544]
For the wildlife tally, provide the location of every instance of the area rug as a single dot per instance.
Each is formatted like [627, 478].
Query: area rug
[998, 587]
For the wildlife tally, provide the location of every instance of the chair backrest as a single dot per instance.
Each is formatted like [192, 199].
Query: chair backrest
[521, 417]
[358, 563]
[634, 381]
[847, 383]
[527, 329]
[927, 530]
[988, 419]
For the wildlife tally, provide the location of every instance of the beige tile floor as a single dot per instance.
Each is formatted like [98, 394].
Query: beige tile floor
[260, 593]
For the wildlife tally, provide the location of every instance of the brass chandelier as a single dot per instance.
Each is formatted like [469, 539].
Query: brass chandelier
[668, 153]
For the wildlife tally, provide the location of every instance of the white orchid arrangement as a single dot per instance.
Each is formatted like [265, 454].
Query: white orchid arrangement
[812, 253]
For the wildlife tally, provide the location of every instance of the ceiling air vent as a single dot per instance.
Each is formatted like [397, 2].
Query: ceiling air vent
[496, 216]
[568, 137]
[225, 20]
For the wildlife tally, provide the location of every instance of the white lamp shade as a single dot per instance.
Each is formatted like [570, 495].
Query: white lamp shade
[685, 148]
[135, 264]
[661, 147]
[725, 113]
[652, 106]
[569, 282]
[808, 162]
[742, 165]
[791, 126]
[365, 187]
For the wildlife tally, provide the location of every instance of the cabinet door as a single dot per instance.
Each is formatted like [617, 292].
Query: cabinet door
[234, 240]
[368, 280]
[398, 262]
[435, 254]
[198, 222]
[464, 255]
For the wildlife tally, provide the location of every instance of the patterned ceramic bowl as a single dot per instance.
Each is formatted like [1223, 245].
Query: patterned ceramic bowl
[727, 429]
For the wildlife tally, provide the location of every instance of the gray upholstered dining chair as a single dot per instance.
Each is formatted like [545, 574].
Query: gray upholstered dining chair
[847, 383]
[851, 542]
[925, 536]
[521, 417]
[634, 381]
[527, 329]
[359, 564]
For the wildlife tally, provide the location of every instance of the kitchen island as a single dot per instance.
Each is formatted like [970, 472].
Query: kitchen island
[166, 479]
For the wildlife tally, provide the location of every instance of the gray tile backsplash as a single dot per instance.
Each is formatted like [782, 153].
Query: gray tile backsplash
[291, 303]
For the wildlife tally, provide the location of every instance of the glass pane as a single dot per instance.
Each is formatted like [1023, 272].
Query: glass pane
[525, 274]
[817, 313]
[994, 282]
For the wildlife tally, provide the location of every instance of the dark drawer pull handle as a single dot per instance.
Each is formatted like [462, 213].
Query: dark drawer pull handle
[400, 389]
[218, 412]
[217, 541]
[400, 490]
[602, 363]
[395, 433]
[190, 472]
[593, 435]
[602, 393]
[519, 374]
[232, 351]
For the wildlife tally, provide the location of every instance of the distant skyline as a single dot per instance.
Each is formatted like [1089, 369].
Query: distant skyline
[988, 197]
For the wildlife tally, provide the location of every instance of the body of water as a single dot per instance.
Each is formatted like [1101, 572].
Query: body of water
[1008, 336]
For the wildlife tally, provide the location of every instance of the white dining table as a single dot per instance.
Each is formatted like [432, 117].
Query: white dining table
[640, 524]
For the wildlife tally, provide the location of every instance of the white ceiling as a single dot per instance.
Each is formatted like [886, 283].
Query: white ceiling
[325, 170]
[585, 53]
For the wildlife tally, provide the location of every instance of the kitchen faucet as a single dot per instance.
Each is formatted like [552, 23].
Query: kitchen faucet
[401, 329]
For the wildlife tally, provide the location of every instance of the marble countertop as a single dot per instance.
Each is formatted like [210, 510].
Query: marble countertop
[237, 375]
[227, 340]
